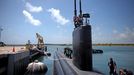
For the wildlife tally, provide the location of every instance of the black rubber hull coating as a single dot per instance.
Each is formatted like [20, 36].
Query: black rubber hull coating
[82, 48]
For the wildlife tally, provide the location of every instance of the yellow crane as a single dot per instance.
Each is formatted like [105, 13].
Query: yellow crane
[40, 45]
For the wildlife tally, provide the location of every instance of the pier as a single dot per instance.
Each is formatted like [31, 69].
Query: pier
[9, 49]
[14, 62]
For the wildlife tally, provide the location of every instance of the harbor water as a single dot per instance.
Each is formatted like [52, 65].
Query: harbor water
[122, 55]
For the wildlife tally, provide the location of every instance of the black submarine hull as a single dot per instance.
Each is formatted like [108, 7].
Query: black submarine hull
[82, 48]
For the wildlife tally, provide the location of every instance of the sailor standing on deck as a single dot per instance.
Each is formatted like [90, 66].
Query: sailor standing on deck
[112, 67]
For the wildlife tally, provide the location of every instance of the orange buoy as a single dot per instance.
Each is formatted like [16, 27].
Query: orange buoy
[13, 49]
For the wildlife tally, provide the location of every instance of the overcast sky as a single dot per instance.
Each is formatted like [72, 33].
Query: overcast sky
[112, 21]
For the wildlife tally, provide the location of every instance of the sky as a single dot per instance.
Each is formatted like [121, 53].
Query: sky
[112, 21]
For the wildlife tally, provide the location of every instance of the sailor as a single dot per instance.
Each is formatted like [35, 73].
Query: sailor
[70, 53]
[80, 20]
[112, 67]
[76, 21]
[46, 49]
[65, 52]
[125, 72]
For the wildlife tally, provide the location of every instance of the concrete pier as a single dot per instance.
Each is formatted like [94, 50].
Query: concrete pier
[3, 64]
[15, 63]
[9, 49]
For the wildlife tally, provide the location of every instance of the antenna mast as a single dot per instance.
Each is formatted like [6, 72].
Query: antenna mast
[80, 7]
[75, 19]
[75, 11]
[80, 15]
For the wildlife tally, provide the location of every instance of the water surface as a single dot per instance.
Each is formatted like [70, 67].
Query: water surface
[122, 55]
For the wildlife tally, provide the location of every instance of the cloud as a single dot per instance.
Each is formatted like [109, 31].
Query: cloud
[32, 8]
[56, 15]
[115, 31]
[98, 28]
[126, 35]
[31, 19]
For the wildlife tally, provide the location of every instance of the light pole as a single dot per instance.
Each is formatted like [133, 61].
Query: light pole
[0, 33]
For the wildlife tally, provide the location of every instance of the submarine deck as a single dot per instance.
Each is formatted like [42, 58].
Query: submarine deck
[64, 66]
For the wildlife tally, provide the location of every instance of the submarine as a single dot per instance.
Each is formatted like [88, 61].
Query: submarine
[82, 40]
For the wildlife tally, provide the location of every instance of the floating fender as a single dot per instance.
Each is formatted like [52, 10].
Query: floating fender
[37, 67]
[97, 51]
